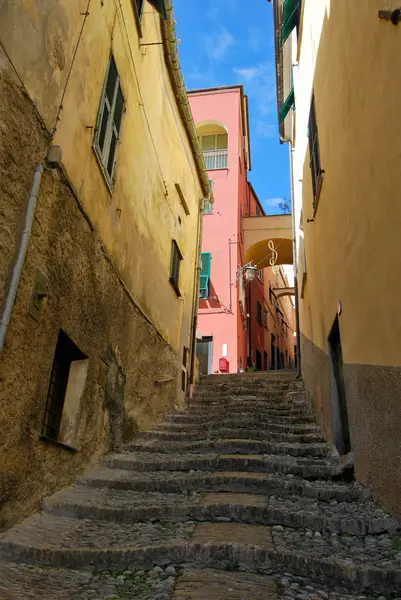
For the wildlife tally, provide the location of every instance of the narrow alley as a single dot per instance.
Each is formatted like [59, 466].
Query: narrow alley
[200, 360]
[237, 497]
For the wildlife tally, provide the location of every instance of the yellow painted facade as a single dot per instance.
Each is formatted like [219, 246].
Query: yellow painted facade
[104, 246]
[348, 236]
[137, 221]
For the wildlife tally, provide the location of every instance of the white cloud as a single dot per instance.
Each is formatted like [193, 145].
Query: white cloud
[260, 85]
[271, 205]
[273, 202]
[255, 39]
[248, 74]
[265, 130]
[219, 43]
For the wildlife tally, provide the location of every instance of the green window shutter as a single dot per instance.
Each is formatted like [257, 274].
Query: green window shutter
[288, 104]
[207, 208]
[291, 11]
[205, 274]
[159, 6]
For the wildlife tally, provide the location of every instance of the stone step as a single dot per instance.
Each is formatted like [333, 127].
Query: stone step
[238, 433]
[267, 463]
[228, 547]
[231, 446]
[54, 531]
[280, 397]
[191, 422]
[240, 379]
[269, 409]
[108, 504]
[235, 482]
[211, 584]
[257, 413]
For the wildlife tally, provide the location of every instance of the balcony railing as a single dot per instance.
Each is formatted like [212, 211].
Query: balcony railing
[215, 159]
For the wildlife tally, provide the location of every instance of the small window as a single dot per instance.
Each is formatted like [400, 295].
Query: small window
[314, 154]
[176, 258]
[270, 294]
[266, 316]
[139, 7]
[214, 148]
[257, 211]
[259, 274]
[208, 206]
[259, 312]
[108, 127]
[66, 353]
[206, 263]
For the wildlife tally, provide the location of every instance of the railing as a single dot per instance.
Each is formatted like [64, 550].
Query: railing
[215, 159]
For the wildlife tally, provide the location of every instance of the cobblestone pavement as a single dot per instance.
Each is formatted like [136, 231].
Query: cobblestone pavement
[239, 497]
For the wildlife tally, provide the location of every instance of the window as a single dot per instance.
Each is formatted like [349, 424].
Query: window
[185, 356]
[176, 258]
[290, 19]
[266, 315]
[214, 148]
[257, 211]
[270, 294]
[66, 353]
[139, 7]
[108, 127]
[259, 273]
[314, 153]
[208, 206]
[259, 312]
[204, 288]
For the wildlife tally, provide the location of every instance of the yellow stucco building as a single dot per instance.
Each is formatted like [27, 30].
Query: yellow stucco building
[338, 100]
[98, 332]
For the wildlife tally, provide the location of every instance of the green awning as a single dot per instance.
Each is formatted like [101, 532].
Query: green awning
[289, 103]
[159, 6]
[291, 11]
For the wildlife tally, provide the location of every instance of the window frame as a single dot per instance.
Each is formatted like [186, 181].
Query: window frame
[175, 265]
[315, 164]
[216, 150]
[66, 352]
[208, 206]
[266, 317]
[207, 275]
[259, 312]
[103, 155]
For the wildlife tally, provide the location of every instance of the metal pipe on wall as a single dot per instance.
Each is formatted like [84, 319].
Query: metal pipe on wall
[196, 298]
[26, 234]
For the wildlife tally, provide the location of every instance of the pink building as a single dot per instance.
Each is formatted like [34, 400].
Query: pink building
[231, 316]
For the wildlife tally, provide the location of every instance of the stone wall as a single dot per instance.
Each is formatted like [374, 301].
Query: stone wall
[89, 301]
[374, 414]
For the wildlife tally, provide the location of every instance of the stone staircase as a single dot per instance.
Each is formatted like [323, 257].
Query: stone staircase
[237, 497]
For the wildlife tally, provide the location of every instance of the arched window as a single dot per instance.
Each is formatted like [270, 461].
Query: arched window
[213, 138]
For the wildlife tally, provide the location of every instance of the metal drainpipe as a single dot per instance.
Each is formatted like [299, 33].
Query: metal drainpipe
[196, 300]
[26, 234]
[294, 250]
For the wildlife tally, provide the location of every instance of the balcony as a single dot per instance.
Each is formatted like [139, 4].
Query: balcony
[215, 159]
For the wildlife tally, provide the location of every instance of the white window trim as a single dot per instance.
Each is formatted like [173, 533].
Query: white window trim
[103, 156]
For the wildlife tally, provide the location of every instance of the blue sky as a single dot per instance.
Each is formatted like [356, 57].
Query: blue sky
[223, 44]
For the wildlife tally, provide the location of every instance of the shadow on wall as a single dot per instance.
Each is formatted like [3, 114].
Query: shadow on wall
[358, 143]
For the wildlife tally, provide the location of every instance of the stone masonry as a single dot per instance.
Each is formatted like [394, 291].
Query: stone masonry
[238, 497]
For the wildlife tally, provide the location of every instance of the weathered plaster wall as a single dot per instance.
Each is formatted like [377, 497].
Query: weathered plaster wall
[89, 302]
[352, 247]
[138, 220]
[107, 256]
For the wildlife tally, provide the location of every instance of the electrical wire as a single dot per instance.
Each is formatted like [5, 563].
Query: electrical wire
[143, 107]
[60, 108]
